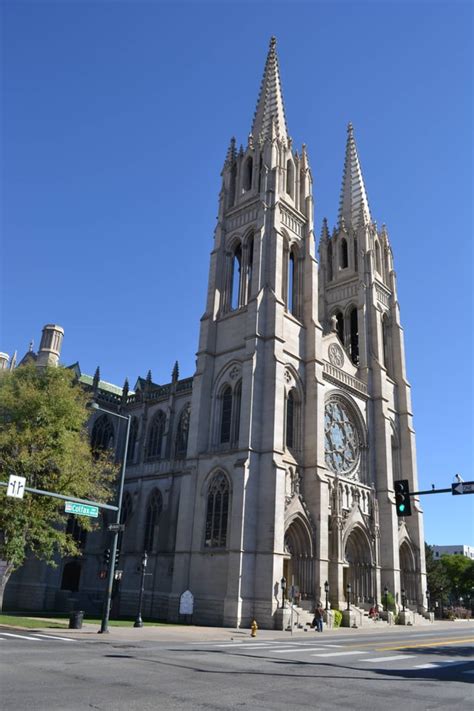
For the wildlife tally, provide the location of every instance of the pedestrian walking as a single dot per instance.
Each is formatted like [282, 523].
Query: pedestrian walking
[318, 617]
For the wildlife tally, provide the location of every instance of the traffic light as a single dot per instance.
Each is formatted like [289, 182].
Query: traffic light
[402, 497]
[107, 557]
[117, 557]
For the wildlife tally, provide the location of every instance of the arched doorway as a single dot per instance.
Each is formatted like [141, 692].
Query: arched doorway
[408, 576]
[298, 566]
[359, 569]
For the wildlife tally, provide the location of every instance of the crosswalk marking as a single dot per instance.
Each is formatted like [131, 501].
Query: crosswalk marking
[445, 662]
[299, 651]
[20, 636]
[340, 654]
[53, 636]
[389, 659]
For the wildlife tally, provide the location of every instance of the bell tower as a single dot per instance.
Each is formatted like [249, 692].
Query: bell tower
[359, 307]
[257, 335]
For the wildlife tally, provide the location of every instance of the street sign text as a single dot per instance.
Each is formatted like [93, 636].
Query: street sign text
[81, 509]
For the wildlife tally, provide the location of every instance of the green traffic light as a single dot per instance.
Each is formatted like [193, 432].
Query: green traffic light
[401, 507]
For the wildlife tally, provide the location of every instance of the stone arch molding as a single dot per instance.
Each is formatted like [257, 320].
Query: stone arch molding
[302, 528]
[292, 380]
[359, 530]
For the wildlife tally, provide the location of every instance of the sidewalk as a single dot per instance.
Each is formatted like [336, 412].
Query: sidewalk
[182, 634]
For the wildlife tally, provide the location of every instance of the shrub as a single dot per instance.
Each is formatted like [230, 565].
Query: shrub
[337, 617]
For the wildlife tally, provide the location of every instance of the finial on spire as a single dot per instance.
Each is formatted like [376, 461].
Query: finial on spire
[125, 391]
[30, 347]
[96, 379]
[324, 231]
[175, 373]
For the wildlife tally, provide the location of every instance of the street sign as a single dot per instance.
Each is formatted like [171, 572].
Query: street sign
[463, 487]
[81, 509]
[116, 527]
[16, 486]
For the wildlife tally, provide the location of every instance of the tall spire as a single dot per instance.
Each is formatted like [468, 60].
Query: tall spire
[354, 205]
[270, 101]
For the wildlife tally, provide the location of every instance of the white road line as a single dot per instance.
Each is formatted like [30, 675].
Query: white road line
[246, 645]
[446, 662]
[301, 650]
[334, 645]
[340, 654]
[20, 636]
[53, 636]
[388, 659]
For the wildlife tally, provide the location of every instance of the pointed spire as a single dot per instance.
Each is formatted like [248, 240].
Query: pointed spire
[231, 152]
[125, 390]
[270, 101]
[96, 379]
[354, 205]
[324, 231]
[175, 373]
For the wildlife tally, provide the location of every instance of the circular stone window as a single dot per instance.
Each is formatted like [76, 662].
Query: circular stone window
[341, 441]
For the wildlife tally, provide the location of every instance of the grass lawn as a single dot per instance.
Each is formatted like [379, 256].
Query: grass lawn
[53, 621]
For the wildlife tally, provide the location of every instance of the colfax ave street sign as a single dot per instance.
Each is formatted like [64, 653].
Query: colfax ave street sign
[464, 487]
[81, 509]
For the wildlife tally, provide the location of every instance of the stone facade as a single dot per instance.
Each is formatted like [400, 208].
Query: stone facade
[277, 459]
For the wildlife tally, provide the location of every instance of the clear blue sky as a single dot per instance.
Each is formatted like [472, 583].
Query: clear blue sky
[116, 121]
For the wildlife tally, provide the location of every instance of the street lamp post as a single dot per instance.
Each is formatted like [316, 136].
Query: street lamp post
[283, 591]
[326, 590]
[403, 600]
[139, 621]
[349, 590]
[441, 602]
[104, 627]
[428, 600]
[385, 592]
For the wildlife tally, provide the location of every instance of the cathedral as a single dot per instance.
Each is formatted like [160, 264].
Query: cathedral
[273, 465]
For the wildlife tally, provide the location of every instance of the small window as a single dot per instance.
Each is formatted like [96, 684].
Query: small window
[356, 256]
[249, 267]
[290, 178]
[71, 576]
[340, 326]
[217, 512]
[344, 254]
[378, 262]
[290, 420]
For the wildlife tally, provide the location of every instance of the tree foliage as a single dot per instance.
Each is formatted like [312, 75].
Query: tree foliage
[43, 437]
[449, 577]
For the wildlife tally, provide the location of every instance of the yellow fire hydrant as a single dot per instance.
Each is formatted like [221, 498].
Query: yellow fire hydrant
[254, 628]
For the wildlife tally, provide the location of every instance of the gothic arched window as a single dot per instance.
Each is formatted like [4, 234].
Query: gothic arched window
[182, 432]
[155, 436]
[237, 399]
[217, 512]
[102, 436]
[235, 294]
[153, 511]
[226, 415]
[354, 342]
[344, 260]
[248, 171]
[132, 440]
[125, 515]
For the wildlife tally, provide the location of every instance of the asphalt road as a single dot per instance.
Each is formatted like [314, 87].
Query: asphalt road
[409, 668]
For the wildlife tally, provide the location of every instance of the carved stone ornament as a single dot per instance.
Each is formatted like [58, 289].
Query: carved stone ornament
[287, 376]
[335, 355]
[234, 372]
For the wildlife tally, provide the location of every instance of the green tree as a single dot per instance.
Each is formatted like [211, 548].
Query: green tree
[460, 572]
[43, 437]
[439, 584]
